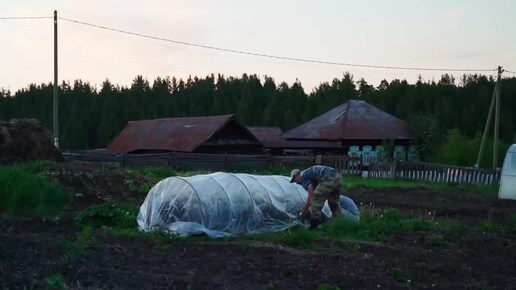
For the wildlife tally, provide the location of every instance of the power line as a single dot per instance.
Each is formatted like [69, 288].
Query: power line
[273, 56]
[509, 71]
[25, 17]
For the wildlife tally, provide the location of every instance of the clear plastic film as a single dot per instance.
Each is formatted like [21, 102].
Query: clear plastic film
[226, 204]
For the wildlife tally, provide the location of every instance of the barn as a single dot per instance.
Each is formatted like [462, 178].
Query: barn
[206, 134]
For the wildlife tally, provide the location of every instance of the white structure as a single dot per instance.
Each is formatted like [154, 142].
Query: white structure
[508, 178]
[225, 204]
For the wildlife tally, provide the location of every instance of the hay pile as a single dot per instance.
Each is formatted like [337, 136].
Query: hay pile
[25, 140]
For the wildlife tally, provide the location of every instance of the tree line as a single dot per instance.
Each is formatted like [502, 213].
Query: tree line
[91, 117]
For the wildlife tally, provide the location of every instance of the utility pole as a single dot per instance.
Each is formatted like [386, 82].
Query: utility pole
[494, 101]
[56, 84]
[497, 118]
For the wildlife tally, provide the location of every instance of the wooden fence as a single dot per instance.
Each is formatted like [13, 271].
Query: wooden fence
[348, 165]
[435, 173]
[191, 161]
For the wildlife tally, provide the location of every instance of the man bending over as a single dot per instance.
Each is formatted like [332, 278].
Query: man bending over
[322, 183]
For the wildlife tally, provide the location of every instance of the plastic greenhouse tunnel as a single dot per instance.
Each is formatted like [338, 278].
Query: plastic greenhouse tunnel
[225, 205]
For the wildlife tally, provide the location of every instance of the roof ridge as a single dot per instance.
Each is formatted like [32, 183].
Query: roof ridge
[344, 119]
[177, 118]
[321, 116]
[264, 127]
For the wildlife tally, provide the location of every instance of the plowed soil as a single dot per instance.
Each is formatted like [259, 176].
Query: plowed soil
[31, 249]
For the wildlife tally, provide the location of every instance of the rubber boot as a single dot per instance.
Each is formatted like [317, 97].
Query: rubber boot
[314, 224]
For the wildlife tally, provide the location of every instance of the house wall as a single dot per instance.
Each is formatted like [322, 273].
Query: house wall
[232, 139]
[231, 149]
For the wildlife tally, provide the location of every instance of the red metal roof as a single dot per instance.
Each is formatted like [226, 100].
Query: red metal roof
[352, 120]
[171, 134]
[265, 134]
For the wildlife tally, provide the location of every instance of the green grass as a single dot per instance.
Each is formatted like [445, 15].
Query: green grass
[490, 225]
[325, 286]
[506, 225]
[158, 173]
[82, 245]
[511, 222]
[355, 181]
[269, 170]
[108, 214]
[56, 281]
[435, 241]
[22, 191]
[155, 172]
[34, 166]
[398, 275]
[374, 226]
[116, 219]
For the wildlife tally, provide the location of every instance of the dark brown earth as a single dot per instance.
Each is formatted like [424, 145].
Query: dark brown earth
[466, 207]
[30, 250]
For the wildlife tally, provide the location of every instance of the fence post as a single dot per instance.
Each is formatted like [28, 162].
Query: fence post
[225, 160]
[123, 159]
[318, 159]
[393, 170]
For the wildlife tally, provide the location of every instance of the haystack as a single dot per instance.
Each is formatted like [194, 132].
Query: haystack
[25, 140]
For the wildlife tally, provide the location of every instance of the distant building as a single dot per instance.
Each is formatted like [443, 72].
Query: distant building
[266, 134]
[354, 126]
[210, 134]
[273, 143]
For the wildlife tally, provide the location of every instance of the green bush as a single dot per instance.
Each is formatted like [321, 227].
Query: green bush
[461, 150]
[109, 214]
[23, 191]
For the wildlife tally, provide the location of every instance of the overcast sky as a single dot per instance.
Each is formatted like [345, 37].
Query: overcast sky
[439, 33]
